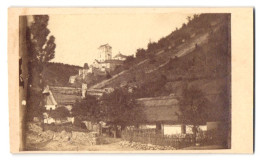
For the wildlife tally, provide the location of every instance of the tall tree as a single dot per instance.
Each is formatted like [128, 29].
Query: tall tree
[41, 49]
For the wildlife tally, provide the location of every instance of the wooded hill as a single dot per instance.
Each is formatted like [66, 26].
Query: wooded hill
[58, 74]
[198, 54]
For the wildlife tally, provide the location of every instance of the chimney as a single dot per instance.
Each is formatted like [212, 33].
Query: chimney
[84, 89]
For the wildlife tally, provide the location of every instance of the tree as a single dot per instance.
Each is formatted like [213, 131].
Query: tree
[41, 49]
[121, 108]
[194, 108]
[60, 113]
[87, 109]
[151, 47]
[140, 53]
[129, 59]
[188, 18]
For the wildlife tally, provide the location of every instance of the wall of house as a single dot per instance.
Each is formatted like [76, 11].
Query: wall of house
[72, 80]
[120, 58]
[168, 129]
[171, 129]
[105, 53]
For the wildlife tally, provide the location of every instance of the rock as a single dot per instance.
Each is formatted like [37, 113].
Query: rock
[140, 146]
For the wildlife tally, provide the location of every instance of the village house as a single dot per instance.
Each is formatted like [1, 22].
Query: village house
[162, 113]
[56, 97]
[82, 74]
[72, 79]
[120, 56]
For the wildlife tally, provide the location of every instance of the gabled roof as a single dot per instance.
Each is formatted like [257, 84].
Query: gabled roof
[160, 109]
[62, 95]
[66, 95]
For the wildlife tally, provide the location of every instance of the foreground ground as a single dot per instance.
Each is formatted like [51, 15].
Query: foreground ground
[39, 140]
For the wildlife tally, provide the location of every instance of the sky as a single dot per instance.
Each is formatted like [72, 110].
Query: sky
[79, 36]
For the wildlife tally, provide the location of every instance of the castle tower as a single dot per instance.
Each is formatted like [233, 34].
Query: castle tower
[104, 52]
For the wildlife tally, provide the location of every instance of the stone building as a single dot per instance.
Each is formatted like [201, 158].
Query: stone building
[104, 53]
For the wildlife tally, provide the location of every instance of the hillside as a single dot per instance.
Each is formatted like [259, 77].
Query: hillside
[58, 74]
[198, 54]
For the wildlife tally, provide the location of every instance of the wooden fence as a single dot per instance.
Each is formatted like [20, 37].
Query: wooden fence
[151, 136]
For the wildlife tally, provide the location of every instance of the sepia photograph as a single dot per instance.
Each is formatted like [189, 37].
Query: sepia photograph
[125, 82]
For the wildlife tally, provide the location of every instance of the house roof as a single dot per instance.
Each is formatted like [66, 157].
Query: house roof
[105, 45]
[120, 55]
[160, 109]
[113, 61]
[62, 95]
[49, 100]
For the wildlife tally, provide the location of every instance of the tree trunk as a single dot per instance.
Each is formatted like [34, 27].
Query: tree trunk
[183, 129]
[194, 130]
[158, 128]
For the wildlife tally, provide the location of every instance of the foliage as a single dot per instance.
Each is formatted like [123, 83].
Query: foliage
[121, 108]
[151, 47]
[58, 74]
[194, 107]
[153, 88]
[87, 109]
[129, 59]
[140, 53]
[41, 48]
[60, 113]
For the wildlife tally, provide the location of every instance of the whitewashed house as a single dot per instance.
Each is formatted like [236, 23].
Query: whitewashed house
[72, 79]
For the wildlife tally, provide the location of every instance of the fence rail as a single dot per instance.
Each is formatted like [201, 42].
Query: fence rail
[154, 137]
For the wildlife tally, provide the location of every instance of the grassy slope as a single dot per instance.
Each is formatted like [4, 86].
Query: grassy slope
[193, 64]
[206, 66]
